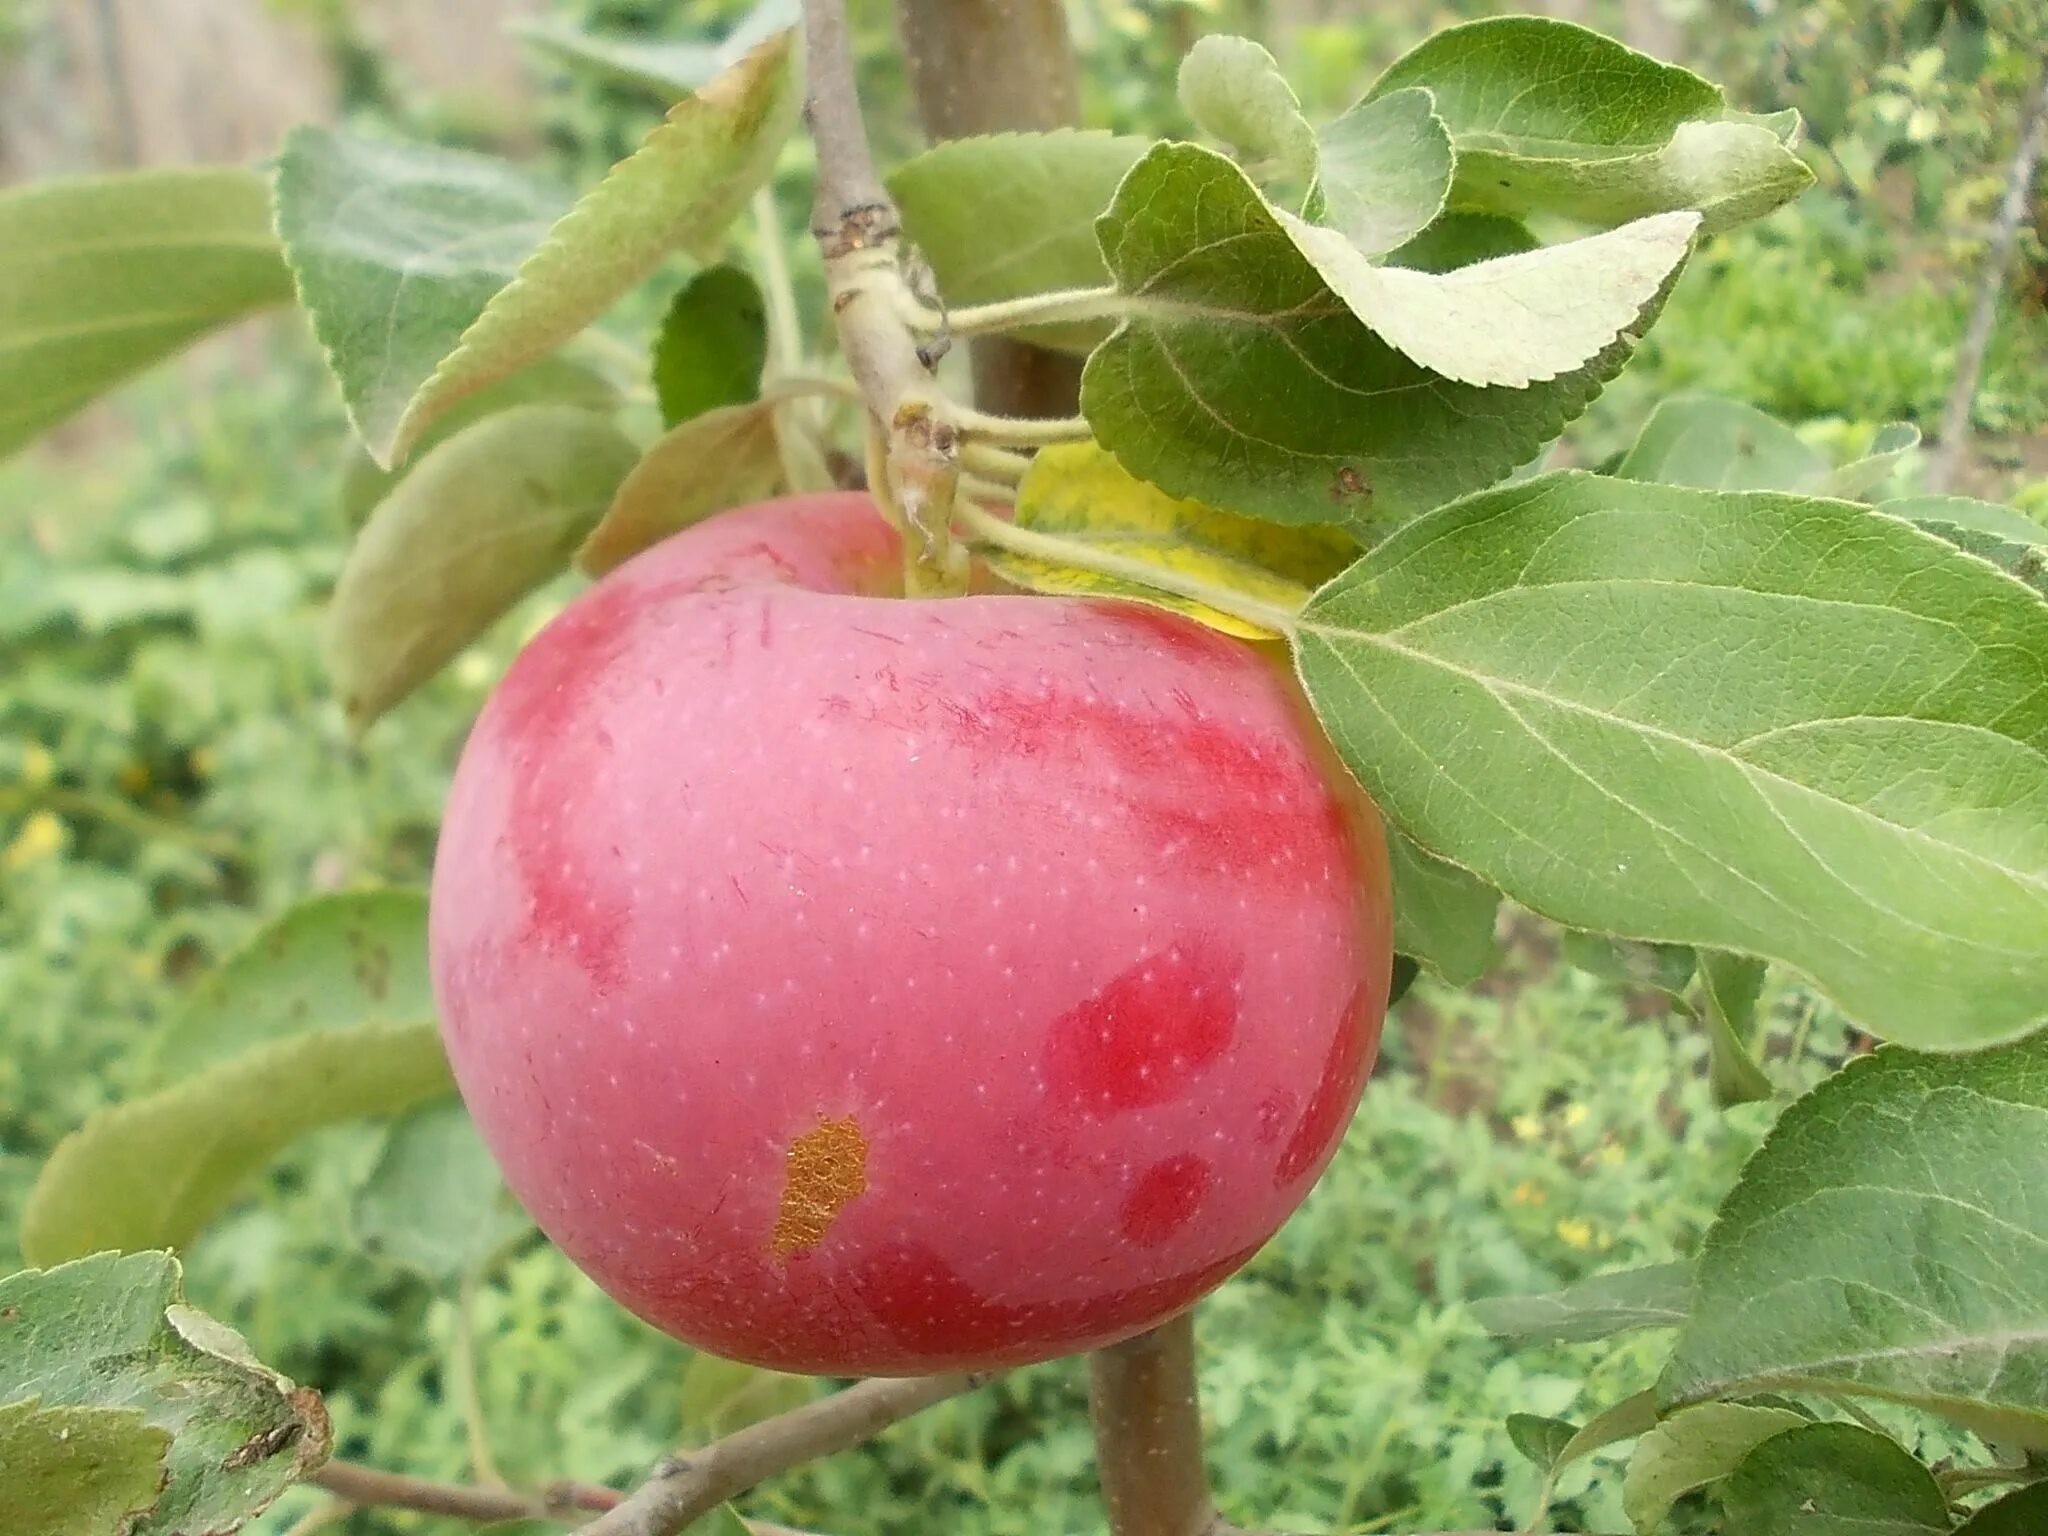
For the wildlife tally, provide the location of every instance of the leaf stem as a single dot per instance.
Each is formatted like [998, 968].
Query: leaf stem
[986, 528]
[1019, 432]
[994, 463]
[785, 329]
[1063, 305]
[483, 1464]
[803, 386]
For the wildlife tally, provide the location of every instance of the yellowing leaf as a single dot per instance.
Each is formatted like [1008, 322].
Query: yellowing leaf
[721, 459]
[1079, 493]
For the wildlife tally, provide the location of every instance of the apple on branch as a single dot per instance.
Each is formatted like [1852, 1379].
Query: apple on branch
[865, 986]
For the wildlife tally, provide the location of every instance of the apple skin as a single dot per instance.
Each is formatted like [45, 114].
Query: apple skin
[863, 987]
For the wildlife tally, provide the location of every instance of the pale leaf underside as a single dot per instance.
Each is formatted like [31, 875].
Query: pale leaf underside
[1789, 728]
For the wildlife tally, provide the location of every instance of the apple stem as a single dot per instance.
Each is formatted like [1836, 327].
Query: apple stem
[987, 529]
[1148, 1434]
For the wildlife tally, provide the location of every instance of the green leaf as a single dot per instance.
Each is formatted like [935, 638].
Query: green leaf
[712, 345]
[1385, 170]
[1598, 1308]
[1681, 717]
[1080, 494]
[1443, 915]
[1833, 1480]
[1233, 91]
[1239, 380]
[680, 189]
[1888, 451]
[112, 1333]
[1014, 214]
[1542, 1440]
[1724, 445]
[721, 459]
[727, 1521]
[2014, 543]
[720, 1396]
[434, 1202]
[102, 276]
[77, 1471]
[1689, 1450]
[1729, 988]
[662, 69]
[1402, 976]
[324, 1015]
[1967, 513]
[1457, 240]
[1665, 968]
[1887, 1241]
[154, 1171]
[552, 380]
[332, 962]
[396, 249]
[487, 516]
[1514, 320]
[429, 274]
[1547, 116]
[1628, 1418]
[1721, 445]
[2023, 1512]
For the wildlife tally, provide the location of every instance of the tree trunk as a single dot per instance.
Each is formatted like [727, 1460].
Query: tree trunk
[1955, 421]
[983, 66]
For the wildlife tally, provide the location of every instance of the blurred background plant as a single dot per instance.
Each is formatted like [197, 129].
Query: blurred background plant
[172, 768]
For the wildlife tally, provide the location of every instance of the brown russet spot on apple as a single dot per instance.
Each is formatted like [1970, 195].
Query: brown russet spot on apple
[827, 1171]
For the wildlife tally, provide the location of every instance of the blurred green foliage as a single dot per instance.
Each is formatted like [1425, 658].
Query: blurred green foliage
[172, 767]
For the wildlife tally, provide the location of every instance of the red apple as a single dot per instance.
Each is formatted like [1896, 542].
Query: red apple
[866, 987]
